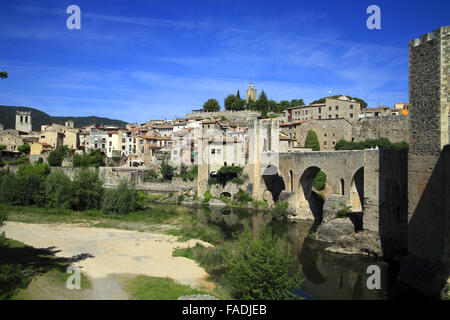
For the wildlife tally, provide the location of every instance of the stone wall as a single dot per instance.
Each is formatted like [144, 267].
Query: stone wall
[395, 128]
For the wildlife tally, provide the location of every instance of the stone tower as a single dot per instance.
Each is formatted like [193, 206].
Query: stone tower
[23, 121]
[251, 93]
[428, 266]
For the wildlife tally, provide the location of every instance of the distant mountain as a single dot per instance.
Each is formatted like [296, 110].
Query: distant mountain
[38, 118]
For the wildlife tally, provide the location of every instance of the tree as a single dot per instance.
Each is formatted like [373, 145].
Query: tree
[56, 157]
[296, 102]
[229, 101]
[260, 268]
[2, 147]
[95, 158]
[87, 190]
[238, 95]
[227, 173]
[320, 181]
[238, 105]
[3, 75]
[262, 103]
[167, 171]
[212, 105]
[31, 179]
[121, 200]
[312, 141]
[58, 190]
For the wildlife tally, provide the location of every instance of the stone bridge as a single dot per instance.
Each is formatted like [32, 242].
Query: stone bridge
[362, 179]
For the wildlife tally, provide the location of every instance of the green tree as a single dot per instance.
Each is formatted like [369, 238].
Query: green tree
[212, 105]
[227, 173]
[95, 158]
[312, 141]
[320, 181]
[56, 157]
[9, 188]
[262, 103]
[58, 190]
[229, 101]
[260, 268]
[167, 171]
[238, 105]
[238, 95]
[296, 102]
[87, 190]
[31, 179]
[3, 75]
[121, 200]
[2, 147]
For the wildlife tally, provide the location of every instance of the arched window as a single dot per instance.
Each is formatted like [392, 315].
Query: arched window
[291, 180]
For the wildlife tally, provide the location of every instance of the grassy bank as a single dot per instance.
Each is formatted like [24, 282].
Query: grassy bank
[155, 288]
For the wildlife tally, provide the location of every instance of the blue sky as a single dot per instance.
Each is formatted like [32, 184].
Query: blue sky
[139, 60]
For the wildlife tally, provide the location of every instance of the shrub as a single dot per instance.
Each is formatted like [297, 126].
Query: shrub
[343, 212]
[58, 190]
[151, 175]
[24, 148]
[87, 190]
[121, 200]
[11, 279]
[207, 196]
[212, 181]
[227, 173]
[279, 210]
[312, 141]
[167, 171]
[9, 188]
[382, 143]
[260, 268]
[243, 197]
[320, 181]
[237, 181]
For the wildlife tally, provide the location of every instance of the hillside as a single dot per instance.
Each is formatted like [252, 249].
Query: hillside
[8, 113]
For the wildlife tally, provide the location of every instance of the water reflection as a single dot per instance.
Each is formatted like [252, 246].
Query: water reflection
[326, 275]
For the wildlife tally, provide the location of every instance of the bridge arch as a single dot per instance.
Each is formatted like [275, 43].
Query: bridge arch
[308, 200]
[356, 191]
[274, 181]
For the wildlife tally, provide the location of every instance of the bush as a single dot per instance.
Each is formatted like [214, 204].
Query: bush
[227, 173]
[58, 190]
[56, 157]
[9, 188]
[151, 175]
[260, 268]
[243, 197]
[186, 174]
[343, 212]
[207, 196]
[382, 143]
[279, 210]
[87, 190]
[312, 141]
[320, 181]
[24, 148]
[11, 279]
[237, 181]
[212, 181]
[121, 200]
[167, 171]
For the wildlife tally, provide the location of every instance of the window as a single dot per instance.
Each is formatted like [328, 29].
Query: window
[110, 143]
[123, 140]
[329, 116]
[337, 116]
[351, 115]
[324, 134]
[218, 151]
[334, 142]
[320, 110]
[324, 143]
[351, 107]
[337, 107]
[213, 151]
[123, 147]
[329, 108]
[320, 117]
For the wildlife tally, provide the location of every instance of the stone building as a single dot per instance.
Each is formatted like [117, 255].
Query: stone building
[333, 108]
[329, 132]
[11, 139]
[52, 138]
[23, 121]
[71, 135]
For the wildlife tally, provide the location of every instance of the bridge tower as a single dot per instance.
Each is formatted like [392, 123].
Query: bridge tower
[428, 266]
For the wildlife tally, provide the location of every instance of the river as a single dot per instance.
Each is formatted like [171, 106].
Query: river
[326, 275]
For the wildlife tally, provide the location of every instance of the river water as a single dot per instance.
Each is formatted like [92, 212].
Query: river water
[326, 275]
